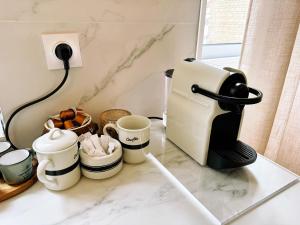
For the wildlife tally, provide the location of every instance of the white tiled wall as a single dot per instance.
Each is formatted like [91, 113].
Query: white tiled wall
[126, 45]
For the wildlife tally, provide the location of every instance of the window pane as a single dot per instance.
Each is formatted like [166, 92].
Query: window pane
[223, 34]
[225, 21]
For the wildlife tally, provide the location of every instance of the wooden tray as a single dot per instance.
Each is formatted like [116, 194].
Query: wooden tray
[7, 191]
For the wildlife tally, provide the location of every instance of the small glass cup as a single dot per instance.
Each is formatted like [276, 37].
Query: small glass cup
[111, 116]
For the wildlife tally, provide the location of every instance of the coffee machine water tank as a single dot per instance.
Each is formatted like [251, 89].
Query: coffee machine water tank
[204, 113]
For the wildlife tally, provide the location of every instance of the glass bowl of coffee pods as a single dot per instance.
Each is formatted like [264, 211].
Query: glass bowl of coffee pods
[71, 119]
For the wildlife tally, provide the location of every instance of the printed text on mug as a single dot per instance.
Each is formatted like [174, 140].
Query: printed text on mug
[132, 139]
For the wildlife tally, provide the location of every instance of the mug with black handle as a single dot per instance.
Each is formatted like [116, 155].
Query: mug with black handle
[134, 135]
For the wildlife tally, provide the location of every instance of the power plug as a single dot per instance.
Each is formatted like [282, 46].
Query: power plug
[64, 52]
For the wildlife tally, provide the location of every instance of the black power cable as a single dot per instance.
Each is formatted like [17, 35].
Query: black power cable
[63, 52]
[29, 104]
[155, 118]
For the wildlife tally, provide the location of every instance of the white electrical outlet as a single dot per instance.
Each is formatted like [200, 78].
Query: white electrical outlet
[50, 42]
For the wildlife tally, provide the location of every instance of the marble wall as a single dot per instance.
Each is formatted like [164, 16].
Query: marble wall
[125, 45]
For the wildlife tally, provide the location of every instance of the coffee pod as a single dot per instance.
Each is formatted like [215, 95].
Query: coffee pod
[69, 124]
[68, 114]
[57, 123]
[80, 119]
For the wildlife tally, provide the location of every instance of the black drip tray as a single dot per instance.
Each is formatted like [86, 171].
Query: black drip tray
[237, 156]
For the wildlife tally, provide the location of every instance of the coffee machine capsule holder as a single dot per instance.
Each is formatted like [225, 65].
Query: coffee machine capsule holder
[204, 112]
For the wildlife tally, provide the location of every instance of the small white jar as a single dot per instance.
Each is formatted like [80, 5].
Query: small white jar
[57, 154]
[101, 167]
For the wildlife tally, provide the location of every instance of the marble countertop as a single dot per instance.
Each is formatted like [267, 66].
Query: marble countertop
[226, 195]
[161, 190]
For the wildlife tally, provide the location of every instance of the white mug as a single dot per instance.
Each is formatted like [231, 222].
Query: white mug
[134, 135]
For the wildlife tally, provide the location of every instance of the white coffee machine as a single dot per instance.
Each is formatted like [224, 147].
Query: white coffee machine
[204, 112]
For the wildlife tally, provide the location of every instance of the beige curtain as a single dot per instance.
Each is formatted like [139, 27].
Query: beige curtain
[271, 60]
[284, 142]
